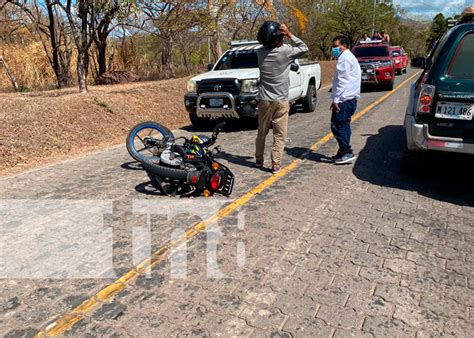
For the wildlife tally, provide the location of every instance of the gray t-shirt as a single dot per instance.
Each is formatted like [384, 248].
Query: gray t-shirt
[274, 65]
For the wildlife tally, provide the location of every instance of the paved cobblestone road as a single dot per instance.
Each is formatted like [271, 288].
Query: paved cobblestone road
[360, 250]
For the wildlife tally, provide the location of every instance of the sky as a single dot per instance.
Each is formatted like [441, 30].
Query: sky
[429, 8]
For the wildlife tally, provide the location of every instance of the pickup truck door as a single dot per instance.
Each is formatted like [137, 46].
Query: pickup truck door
[296, 83]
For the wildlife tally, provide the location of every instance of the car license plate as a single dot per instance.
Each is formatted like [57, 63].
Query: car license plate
[455, 111]
[216, 103]
[365, 77]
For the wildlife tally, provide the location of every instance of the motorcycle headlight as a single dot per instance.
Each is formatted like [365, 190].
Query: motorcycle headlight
[192, 86]
[249, 86]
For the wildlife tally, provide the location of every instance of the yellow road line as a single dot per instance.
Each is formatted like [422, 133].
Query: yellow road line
[66, 321]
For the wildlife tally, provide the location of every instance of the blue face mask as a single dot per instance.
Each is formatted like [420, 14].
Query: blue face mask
[336, 52]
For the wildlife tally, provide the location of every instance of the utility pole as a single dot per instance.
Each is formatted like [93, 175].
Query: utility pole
[209, 49]
[373, 18]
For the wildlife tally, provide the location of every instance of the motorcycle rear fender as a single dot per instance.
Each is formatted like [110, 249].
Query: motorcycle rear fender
[203, 177]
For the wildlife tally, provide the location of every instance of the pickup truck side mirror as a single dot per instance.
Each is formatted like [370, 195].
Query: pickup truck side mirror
[294, 67]
[419, 62]
[210, 66]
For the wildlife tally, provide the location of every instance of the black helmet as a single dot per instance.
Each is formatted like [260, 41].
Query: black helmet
[269, 34]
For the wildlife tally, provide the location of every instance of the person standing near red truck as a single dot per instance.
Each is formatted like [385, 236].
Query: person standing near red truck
[345, 93]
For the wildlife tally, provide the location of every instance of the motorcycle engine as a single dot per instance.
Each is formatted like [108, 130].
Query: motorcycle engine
[170, 158]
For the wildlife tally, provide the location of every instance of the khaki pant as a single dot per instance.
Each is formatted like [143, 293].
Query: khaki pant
[272, 114]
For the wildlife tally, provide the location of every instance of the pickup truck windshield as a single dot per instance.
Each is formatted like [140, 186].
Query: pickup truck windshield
[375, 51]
[238, 60]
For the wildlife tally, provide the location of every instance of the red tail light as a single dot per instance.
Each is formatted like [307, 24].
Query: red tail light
[425, 100]
[215, 182]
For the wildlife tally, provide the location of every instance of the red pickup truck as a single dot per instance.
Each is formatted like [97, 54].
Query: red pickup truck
[376, 62]
[400, 58]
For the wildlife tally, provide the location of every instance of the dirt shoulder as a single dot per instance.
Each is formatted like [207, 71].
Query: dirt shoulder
[44, 127]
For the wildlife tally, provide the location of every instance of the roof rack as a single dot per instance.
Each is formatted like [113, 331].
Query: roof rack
[372, 42]
[467, 15]
[238, 43]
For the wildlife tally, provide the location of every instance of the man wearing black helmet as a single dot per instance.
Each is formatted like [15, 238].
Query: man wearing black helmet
[274, 60]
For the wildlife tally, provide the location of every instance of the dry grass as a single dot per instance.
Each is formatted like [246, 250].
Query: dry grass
[43, 127]
[28, 64]
[47, 126]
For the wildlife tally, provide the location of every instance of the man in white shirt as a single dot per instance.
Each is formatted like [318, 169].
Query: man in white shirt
[345, 93]
[365, 38]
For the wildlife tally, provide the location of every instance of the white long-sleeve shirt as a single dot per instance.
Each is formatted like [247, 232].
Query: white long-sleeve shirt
[347, 80]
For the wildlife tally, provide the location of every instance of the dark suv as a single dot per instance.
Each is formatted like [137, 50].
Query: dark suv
[441, 106]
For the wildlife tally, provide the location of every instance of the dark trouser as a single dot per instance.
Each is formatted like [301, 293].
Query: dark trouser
[341, 125]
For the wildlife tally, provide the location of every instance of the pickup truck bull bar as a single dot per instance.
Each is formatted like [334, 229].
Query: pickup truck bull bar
[208, 112]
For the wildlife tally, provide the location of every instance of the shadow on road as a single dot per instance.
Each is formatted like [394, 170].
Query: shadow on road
[372, 88]
[244, 161]
[442, 176]
[132, 165]
[299, 152]
[147, 188]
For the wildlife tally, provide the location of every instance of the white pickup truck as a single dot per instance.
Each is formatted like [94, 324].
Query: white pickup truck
[230, 88]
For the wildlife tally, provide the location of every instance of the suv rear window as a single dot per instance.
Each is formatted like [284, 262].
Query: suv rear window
[461, 63]
[362, 52]
[238, 60]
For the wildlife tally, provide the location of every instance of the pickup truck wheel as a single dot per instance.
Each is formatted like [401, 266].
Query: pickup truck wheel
[199, 123]
[309, 102]
[390, 86]
[405, 69]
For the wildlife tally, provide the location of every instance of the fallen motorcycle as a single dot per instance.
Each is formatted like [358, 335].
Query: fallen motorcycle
[176, 168]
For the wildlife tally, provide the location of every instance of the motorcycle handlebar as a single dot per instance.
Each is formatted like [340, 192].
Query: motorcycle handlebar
[218, 129]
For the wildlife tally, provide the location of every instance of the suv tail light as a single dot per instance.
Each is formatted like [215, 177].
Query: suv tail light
[425, 99]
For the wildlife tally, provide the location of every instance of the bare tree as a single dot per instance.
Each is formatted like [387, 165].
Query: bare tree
[168, 20]
[43, 21]
[109, 16]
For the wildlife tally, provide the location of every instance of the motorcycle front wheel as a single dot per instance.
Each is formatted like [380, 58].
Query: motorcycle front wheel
[142, 138]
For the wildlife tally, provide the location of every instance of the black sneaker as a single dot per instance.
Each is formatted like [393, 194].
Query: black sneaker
[338, 155]
[347, 158]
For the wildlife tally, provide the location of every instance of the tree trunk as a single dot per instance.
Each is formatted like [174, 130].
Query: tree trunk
[102, 57]
[64, 74]
[216, 47]
[167, 59]
[111, 59]
[9, 74]
[186, 63]
[82, 69]
[184, 53]
[101, 44]
[60, 66]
